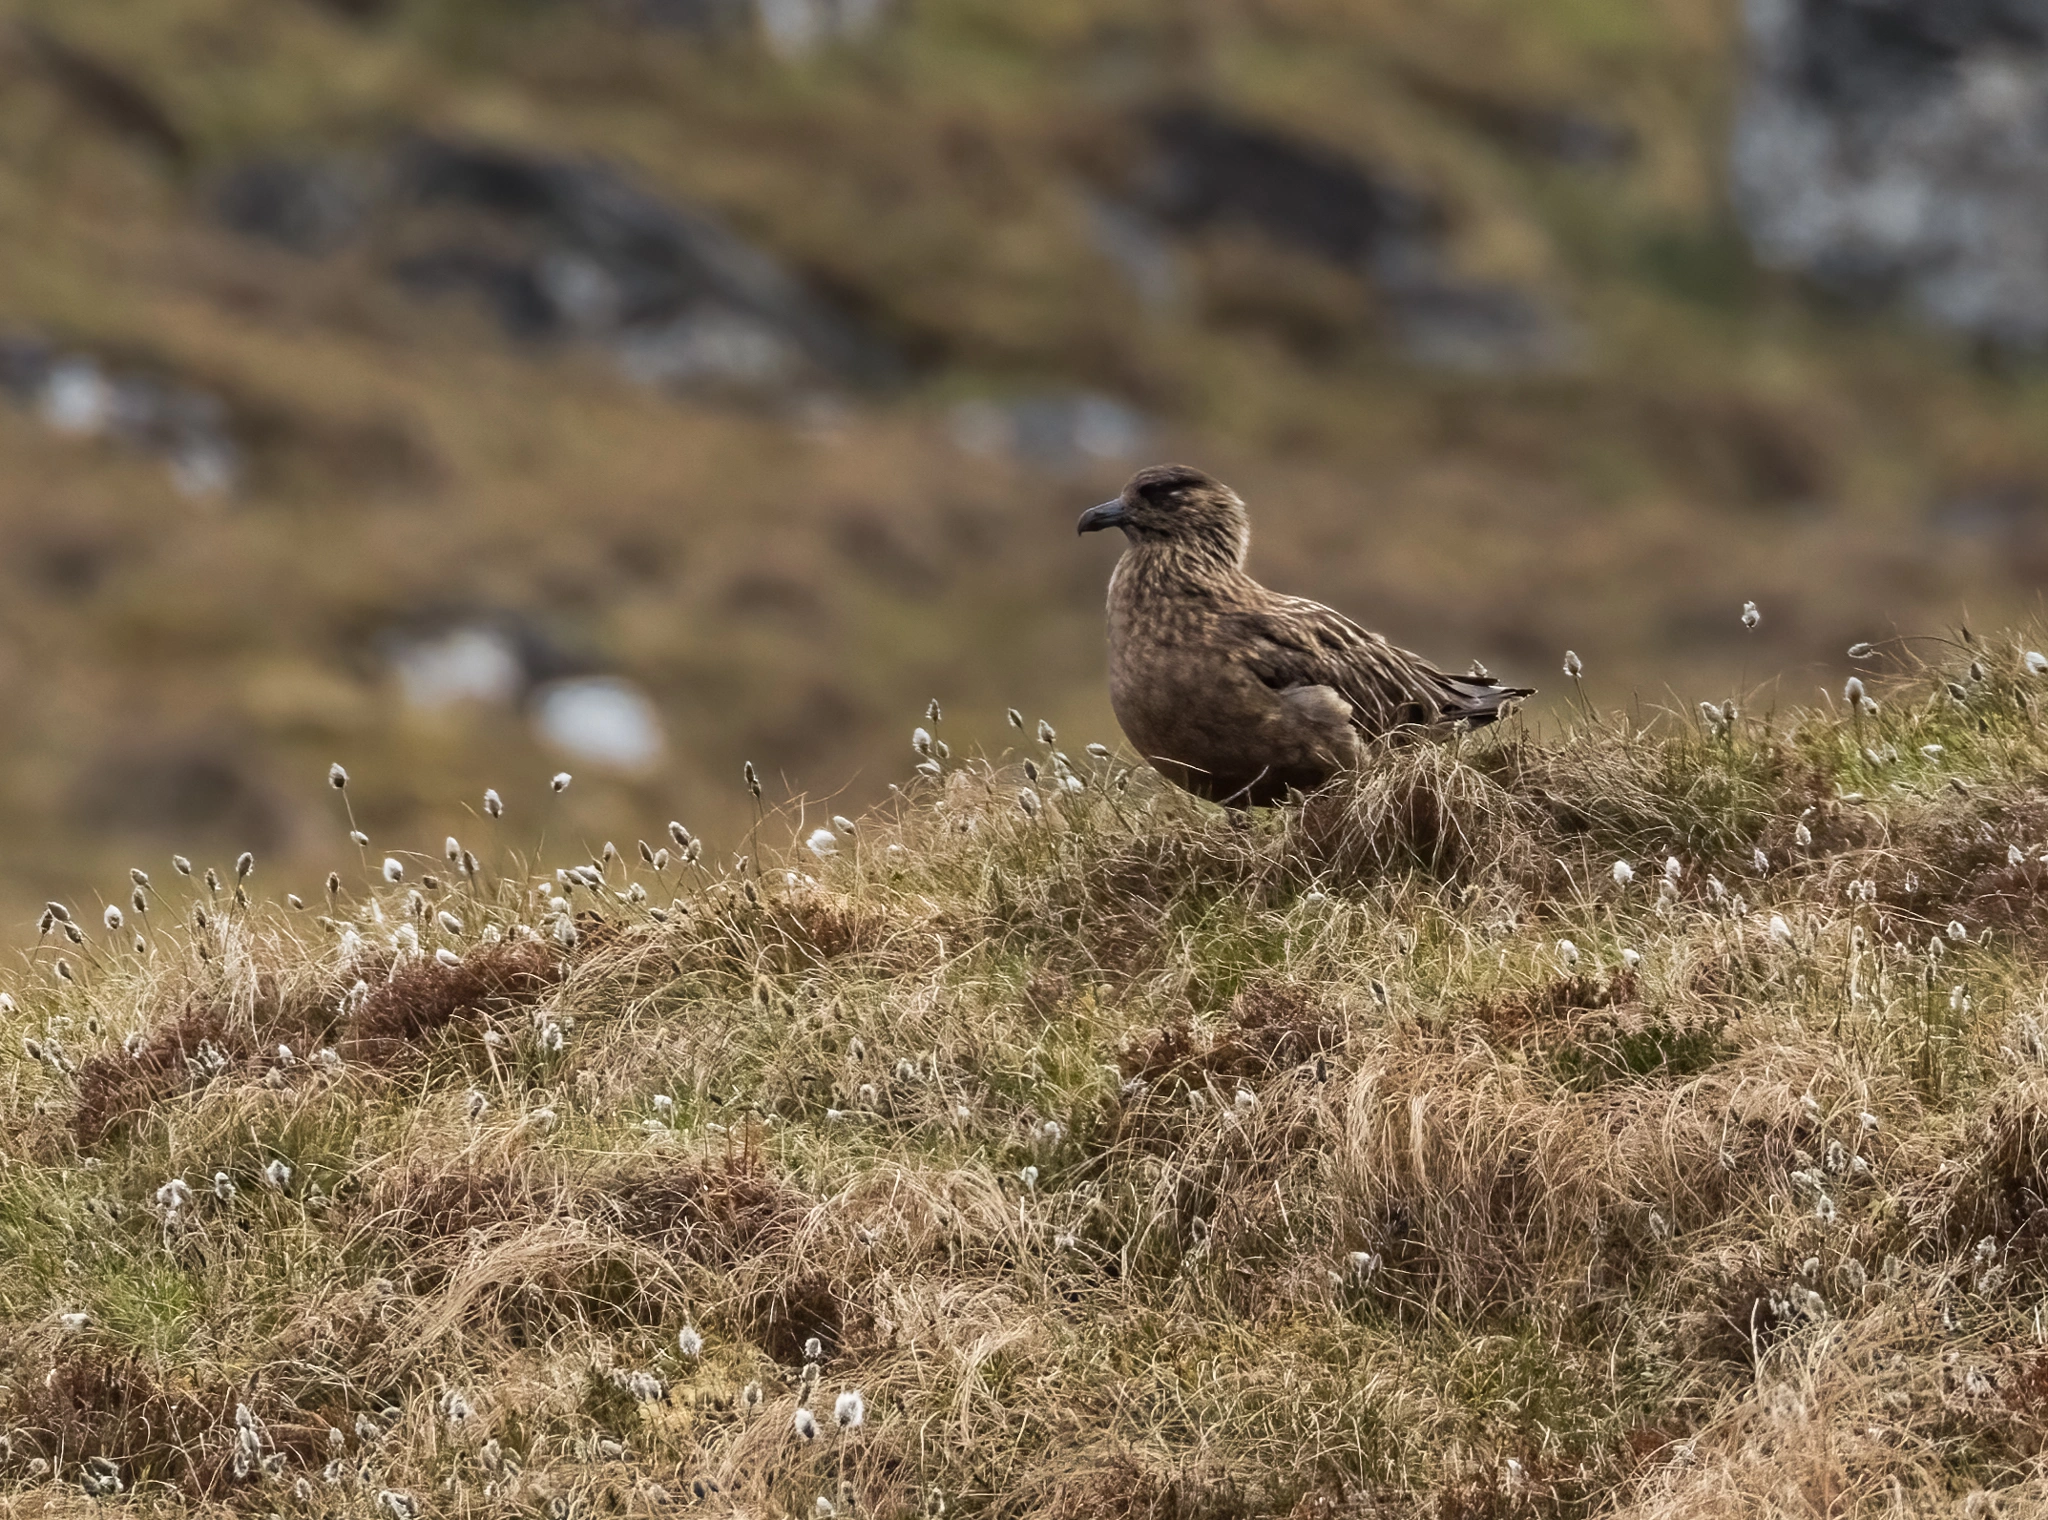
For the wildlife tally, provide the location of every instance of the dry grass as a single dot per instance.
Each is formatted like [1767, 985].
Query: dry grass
[174, 671]
[1128, 1159]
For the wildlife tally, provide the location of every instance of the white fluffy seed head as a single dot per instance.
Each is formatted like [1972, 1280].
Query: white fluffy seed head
[561, 781]
[1624, 873]
[823, 842]
[112, 916]
[394, 869]
[849, 1410]
[1573, 665]
[336, 776]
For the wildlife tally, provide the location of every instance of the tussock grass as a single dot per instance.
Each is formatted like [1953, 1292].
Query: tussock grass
[1386, 1154]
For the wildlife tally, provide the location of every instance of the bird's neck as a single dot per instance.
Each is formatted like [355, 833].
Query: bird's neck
[1181, 567]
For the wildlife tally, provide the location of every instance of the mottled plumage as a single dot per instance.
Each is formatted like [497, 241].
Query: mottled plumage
[1235, 692]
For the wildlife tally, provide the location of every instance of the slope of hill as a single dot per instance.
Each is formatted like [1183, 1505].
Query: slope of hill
[1608, 1122]
[429, 382]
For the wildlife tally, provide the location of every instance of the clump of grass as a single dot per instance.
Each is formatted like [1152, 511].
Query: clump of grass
[1097, 1154]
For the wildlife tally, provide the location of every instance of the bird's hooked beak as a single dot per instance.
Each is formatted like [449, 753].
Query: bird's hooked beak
[1110, 514]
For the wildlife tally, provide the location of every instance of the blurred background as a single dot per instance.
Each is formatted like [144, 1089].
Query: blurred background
[469, 389]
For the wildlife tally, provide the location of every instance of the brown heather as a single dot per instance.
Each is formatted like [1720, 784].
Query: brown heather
[1130, 1159]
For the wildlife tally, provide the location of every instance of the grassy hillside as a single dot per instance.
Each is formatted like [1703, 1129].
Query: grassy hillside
[784, 580]
[1600, 1120]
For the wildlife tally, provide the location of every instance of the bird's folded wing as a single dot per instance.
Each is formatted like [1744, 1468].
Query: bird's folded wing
[1290, 642]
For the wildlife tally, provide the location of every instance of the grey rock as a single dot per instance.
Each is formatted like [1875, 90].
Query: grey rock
[310, 206]
[78, 394]
[1208, 169]
[1899, 148]
[560, 247]
[1056, 431]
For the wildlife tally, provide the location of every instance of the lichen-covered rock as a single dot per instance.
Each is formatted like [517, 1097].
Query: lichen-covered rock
[1900, 148]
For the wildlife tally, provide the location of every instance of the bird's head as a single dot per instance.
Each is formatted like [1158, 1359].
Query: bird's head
[1179, 506]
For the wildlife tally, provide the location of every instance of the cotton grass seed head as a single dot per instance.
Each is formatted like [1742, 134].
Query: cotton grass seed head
[2036, 663]
[112, 917]
[1750, 616]
[689, 1342]
[277, 1174]
[394, 869]
[561, 781]
[849, 1410]
[822, 843]
[806, 1424]
[494, 805]
[337, 777]
[1573, 665]
[1624, 873]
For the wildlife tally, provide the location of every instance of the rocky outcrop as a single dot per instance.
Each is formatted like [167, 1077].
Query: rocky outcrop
[1203, 168]
[1900, 148]
[565, 248]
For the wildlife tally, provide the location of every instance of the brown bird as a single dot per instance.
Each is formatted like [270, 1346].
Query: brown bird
[1235, 692]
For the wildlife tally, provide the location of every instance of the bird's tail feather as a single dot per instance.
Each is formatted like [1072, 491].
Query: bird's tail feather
[1478, 701]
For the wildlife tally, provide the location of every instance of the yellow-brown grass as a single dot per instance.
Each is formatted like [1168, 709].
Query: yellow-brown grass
[1387, 1153]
